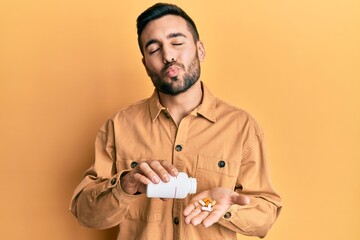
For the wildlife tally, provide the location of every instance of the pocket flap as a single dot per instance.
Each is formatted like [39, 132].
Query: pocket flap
[218, 165]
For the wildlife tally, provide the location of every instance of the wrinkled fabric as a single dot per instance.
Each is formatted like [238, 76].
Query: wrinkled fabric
[215, 131]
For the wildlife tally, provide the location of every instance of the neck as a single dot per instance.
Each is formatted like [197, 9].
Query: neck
[182, 104]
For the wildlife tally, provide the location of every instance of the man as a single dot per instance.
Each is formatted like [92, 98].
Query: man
[182, 127]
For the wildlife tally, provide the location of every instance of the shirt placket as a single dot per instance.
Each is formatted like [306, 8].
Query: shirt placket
[179, 149]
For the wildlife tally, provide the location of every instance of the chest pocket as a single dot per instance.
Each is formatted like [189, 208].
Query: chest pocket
[214, 172]
[147, 209]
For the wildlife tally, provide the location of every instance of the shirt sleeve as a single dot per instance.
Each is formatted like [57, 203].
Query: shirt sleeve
[256, 218]
[99, 201]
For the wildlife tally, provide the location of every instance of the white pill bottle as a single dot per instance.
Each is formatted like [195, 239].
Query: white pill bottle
[178, 187]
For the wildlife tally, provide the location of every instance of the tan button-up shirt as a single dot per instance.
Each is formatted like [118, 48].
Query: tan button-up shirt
[220, 146]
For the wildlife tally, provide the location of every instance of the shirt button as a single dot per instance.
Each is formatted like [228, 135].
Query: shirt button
[113, 181]
[227, 215]
[221, 164]
[133, 164]
[178, 148]
[176, 221]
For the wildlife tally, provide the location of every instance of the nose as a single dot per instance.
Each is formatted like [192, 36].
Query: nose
[168, 55]
[166, 61]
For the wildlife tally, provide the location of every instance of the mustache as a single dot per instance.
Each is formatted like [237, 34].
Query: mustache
[170, 64]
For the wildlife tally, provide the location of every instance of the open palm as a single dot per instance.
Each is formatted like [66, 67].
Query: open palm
[224, 199]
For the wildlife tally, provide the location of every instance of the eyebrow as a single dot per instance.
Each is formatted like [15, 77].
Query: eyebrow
[171, 35]
[151, 41]
[174, 35]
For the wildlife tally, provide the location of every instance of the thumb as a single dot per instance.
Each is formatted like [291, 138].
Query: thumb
[240, 199]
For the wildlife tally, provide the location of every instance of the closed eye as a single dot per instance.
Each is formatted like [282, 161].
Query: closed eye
[154, 51]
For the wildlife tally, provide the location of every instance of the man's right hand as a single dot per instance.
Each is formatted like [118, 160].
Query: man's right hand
[146, 172]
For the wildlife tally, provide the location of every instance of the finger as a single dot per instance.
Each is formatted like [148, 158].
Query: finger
[214, 217]
[199, 218]
[240, 199]
[191, 207]
[141, 179]
[192, 214]
[195, 202]
[159, 169]
[171, 169]
[147, 172]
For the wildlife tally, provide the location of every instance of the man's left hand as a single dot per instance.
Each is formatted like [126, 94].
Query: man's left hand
[224, 199]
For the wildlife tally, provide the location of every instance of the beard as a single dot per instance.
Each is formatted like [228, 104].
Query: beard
[177, 84]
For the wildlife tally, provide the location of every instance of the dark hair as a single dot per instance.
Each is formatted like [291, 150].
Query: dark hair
[159, 10]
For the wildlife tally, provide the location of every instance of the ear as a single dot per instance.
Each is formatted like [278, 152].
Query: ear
[143, 62]
[201, 50]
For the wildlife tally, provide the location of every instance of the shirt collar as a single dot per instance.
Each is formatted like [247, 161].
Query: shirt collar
[206, 109]
[155, 105]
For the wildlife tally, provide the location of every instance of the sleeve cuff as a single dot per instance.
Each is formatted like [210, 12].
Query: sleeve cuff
[117, 190]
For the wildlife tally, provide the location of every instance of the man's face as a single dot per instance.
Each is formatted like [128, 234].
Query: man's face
[171, 57]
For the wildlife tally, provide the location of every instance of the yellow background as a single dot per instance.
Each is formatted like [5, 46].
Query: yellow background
[65, 66]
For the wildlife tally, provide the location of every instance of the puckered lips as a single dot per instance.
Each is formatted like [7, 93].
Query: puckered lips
[172, 71]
